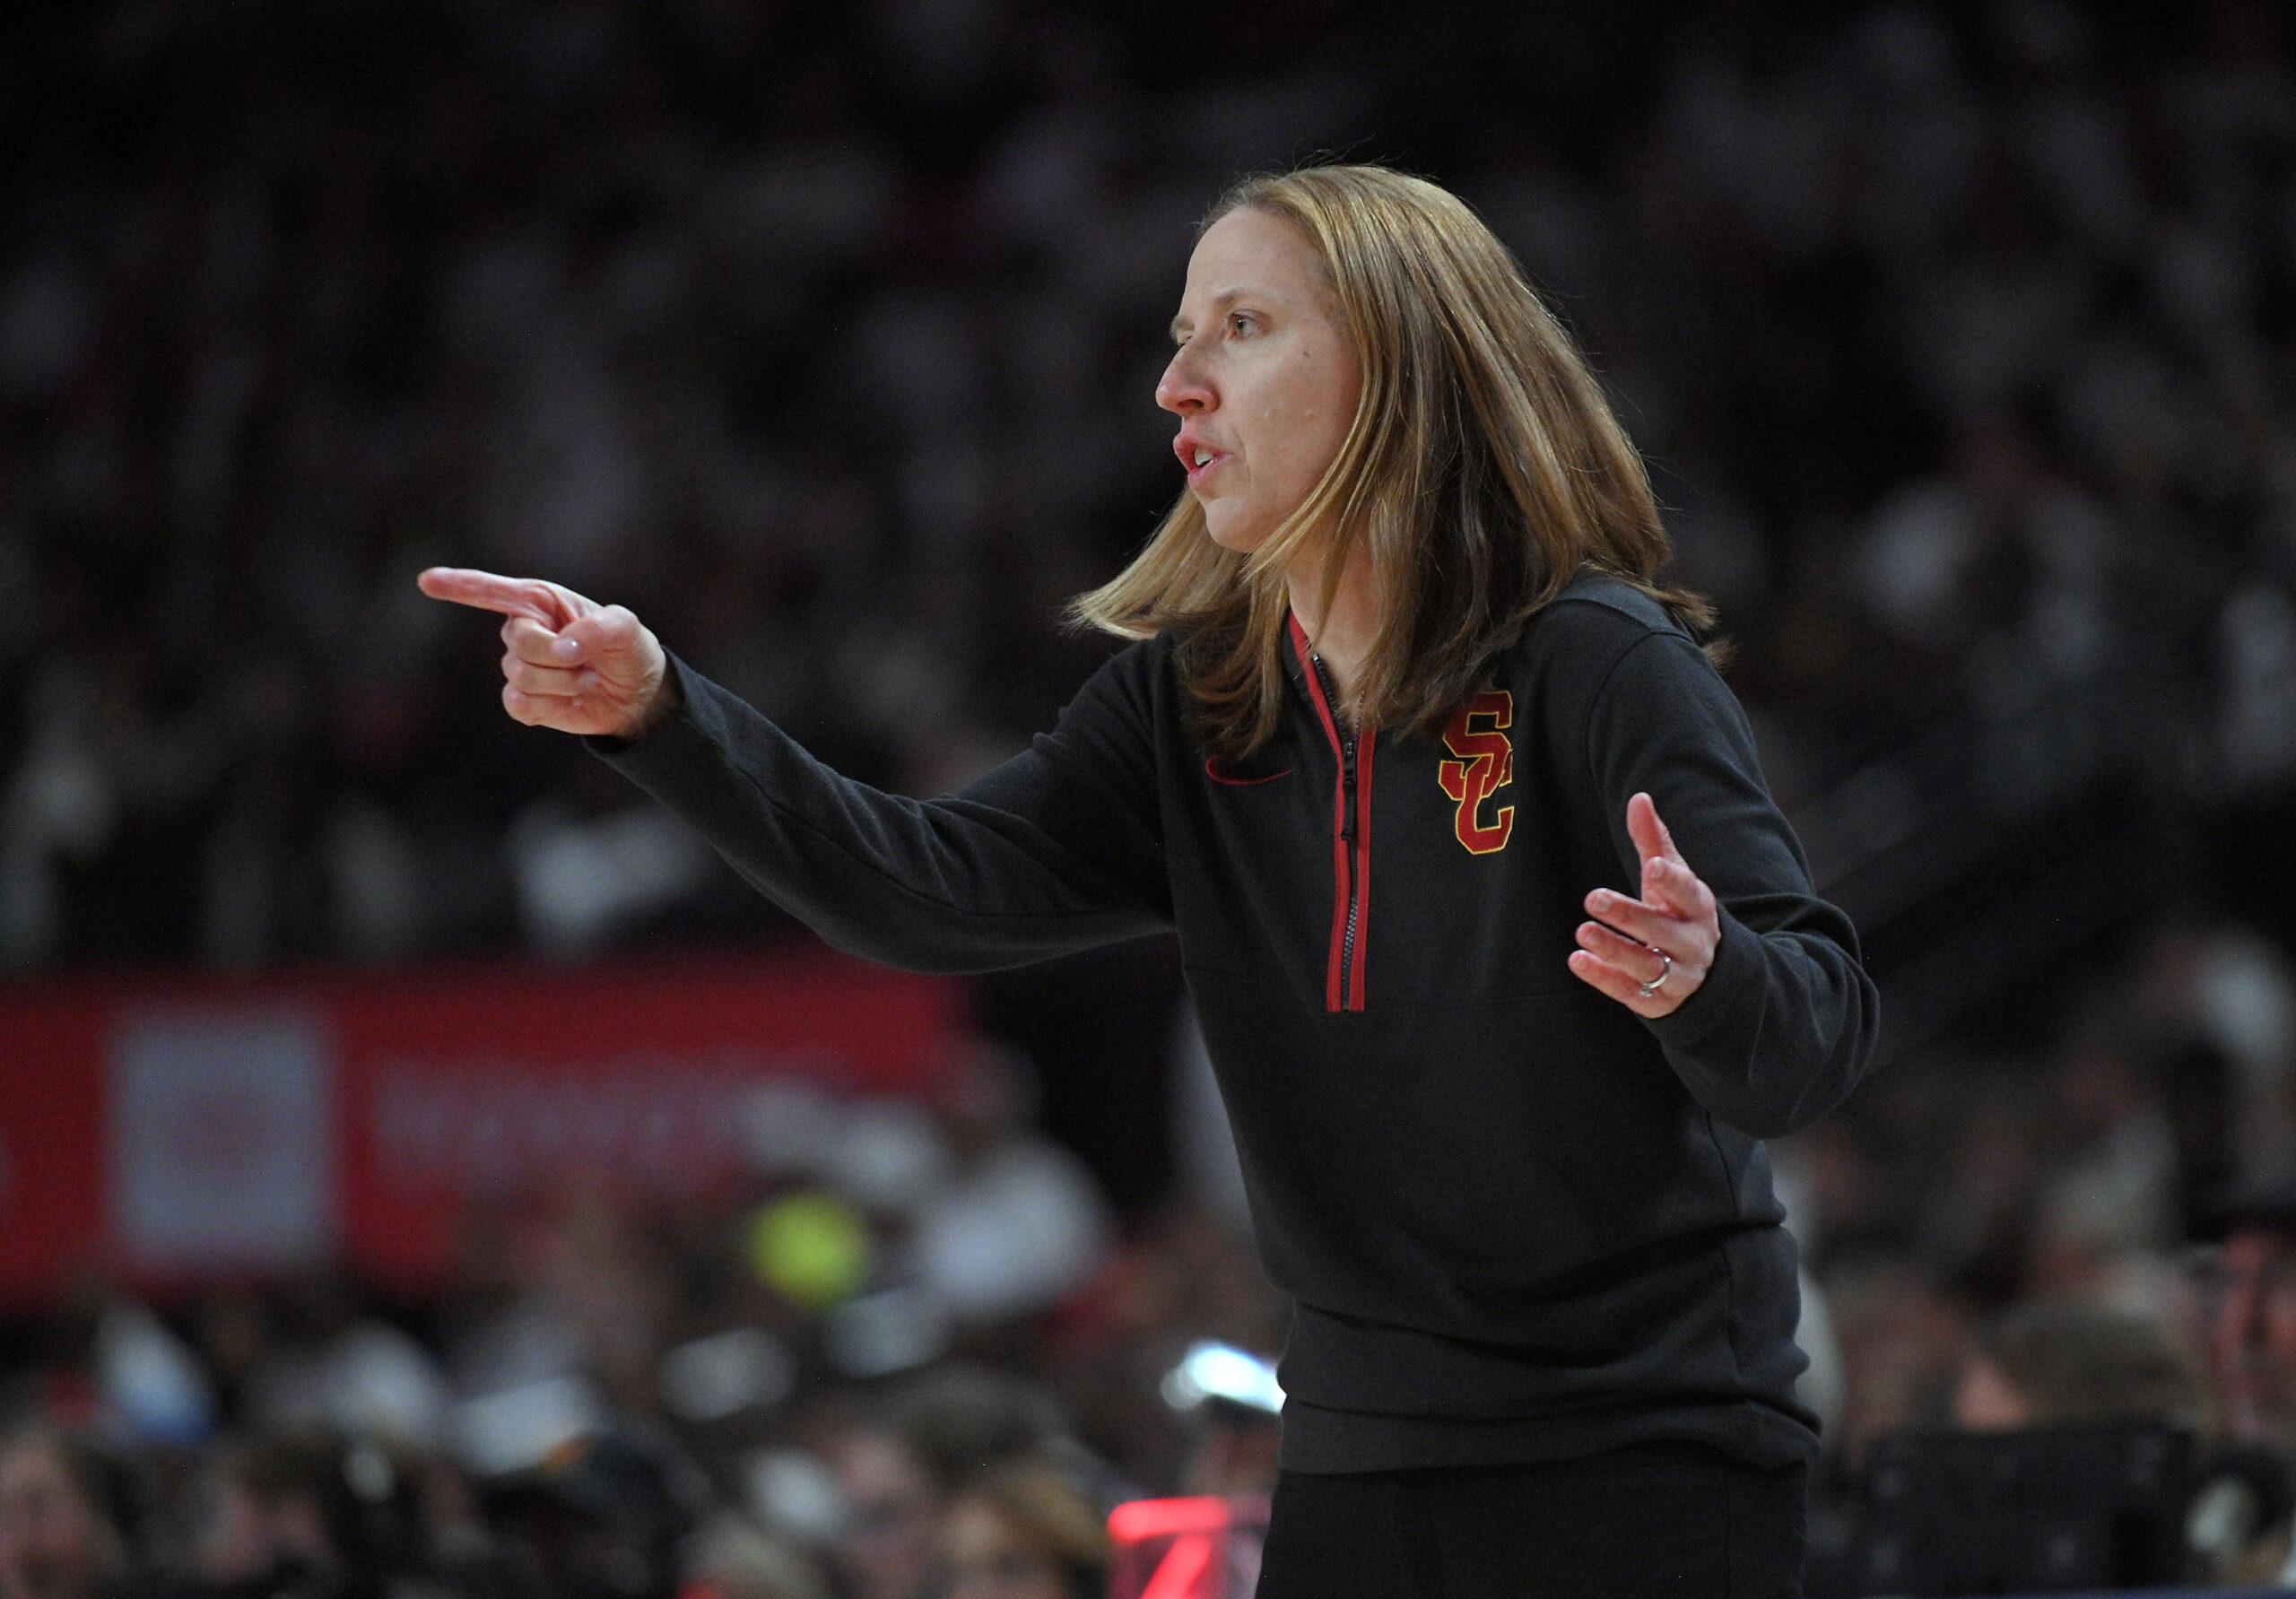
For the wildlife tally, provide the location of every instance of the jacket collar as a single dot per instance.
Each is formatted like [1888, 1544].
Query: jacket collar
[1294, 667]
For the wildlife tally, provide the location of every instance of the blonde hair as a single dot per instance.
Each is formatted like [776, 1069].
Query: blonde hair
[1483, 469]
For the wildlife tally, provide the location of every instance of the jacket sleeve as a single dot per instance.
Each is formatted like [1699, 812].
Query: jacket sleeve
[1786, 1023]
[1054, 851]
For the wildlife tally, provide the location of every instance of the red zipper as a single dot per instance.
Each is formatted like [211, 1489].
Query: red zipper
[1350, 841]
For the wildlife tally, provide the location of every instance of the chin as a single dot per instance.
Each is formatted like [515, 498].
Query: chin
[1230, 531]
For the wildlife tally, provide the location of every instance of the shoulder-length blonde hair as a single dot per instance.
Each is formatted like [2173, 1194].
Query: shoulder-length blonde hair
[1483, 469]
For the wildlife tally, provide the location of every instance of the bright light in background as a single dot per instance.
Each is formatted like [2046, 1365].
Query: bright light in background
[1212, 1370]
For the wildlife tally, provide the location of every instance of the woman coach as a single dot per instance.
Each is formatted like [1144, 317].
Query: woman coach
[1392, 752]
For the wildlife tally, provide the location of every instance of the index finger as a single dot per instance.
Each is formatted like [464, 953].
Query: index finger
[486, 591]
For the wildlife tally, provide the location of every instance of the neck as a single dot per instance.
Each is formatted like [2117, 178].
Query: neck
[1344, 635]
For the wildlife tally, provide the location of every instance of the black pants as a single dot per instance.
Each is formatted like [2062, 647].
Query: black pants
[1672, 1519]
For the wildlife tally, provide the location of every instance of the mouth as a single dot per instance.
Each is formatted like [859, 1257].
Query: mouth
[1199, 459]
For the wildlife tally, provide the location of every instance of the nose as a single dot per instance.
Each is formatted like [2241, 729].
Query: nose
[1182, 390]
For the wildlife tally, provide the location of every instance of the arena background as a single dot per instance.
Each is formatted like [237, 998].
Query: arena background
[1959, 338]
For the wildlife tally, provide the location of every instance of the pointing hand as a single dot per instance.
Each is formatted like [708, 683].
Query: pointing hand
[567, 663]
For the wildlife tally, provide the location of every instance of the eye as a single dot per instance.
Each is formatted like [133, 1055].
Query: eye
[1242, 323]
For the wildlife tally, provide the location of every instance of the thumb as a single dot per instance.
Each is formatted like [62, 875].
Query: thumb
[607, 639]
[1663, 867]
[1651, 841]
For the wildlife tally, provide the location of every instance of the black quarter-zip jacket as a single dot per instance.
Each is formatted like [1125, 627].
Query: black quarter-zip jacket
[1521, 1223]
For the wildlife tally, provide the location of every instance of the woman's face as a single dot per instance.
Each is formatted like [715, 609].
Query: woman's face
[887, 1545]
[1265, 378]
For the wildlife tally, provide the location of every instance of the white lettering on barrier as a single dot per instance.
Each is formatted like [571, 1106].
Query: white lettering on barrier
[491, 1126]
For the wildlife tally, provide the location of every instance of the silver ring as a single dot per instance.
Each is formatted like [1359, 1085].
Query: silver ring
[1650, 990]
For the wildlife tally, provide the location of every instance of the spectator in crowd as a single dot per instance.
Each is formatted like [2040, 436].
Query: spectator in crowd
[281, 1516]
[884, 1548]
[2242, 1306]
[603, 1518]
[1021, 1530]
[2245, 1293]
[1020, 1224]
[732, 1558]
[2068, 1364]
[338, 1369]
[63, 1518]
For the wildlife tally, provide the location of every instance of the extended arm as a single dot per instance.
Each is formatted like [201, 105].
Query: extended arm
[1056, 851]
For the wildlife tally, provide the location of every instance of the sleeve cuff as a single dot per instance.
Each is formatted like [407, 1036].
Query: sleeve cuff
[680, 677]
[1737, 970]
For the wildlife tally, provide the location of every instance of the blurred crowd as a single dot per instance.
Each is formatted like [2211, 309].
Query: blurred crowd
[1957, 336]
[912, 1361]
[1960, 337]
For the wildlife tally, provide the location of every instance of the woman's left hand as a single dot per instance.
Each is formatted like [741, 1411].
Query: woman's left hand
[1650, 954]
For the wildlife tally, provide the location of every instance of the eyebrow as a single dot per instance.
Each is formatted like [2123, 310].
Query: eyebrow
[1226, 297]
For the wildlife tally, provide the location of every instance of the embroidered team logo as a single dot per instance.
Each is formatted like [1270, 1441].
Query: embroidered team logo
[1485, 765]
